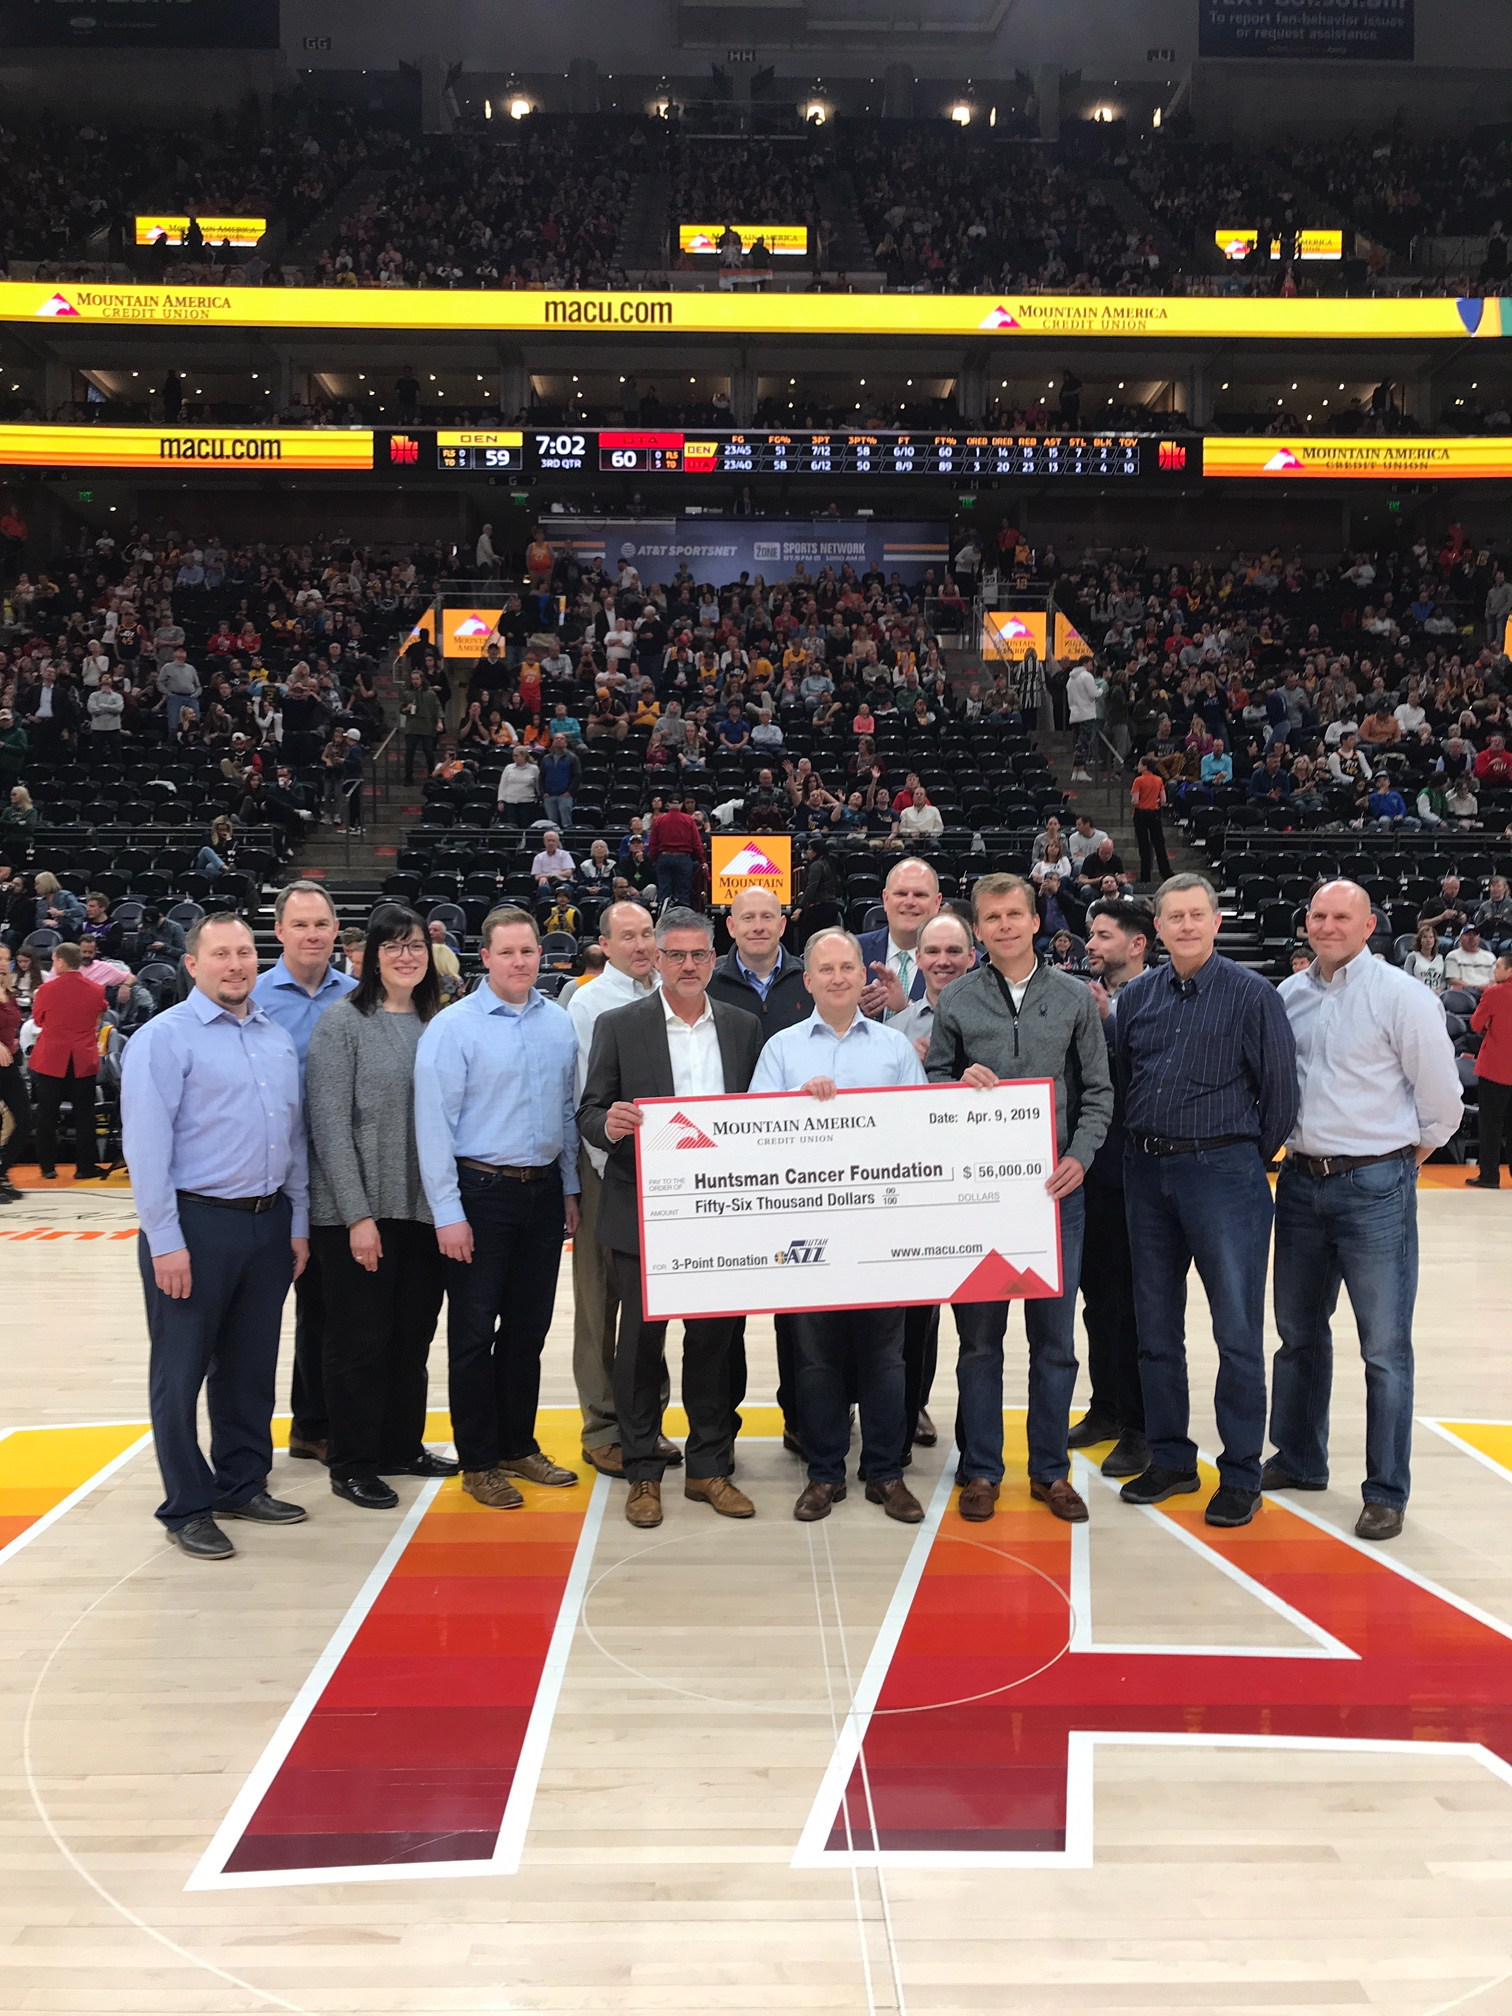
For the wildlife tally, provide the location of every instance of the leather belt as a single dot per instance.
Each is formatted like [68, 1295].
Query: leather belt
[1340, 1165]
[510, 1169]
[254, 1204]
[1158, 1144]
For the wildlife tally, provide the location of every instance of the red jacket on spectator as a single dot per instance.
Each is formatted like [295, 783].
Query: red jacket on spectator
[10, 1024]
[67, 1011]
[1492, 1022]
[676, 832]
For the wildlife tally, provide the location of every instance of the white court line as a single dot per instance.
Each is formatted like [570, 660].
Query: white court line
[40, 1525]
[1466, 1448]
[1082, 1744]
[211, 1874]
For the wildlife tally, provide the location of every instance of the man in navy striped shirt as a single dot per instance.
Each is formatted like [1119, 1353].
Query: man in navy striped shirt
[1208, 1068]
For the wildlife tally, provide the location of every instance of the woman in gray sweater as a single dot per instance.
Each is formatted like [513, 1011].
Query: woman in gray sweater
[369, 1221]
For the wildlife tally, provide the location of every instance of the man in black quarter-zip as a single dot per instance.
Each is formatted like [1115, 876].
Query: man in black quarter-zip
[1013, 1017]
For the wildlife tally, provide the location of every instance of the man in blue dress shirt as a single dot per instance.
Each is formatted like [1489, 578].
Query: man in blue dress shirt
[213, 1133]
[833, 1349]
[295, 992]
[1208, 1070]
[496, 1129]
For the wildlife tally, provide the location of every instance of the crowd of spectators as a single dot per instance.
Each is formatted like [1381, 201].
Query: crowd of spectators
[742, 182]
[1397, 188]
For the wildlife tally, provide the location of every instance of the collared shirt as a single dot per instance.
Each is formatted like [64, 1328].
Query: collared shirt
[905, 964]
[697, 1067]
[495, 1085]
[612, 989]
[762, 983]
[1374, 1061]
[914, 1021]
[1206, 1057]
[211, 1102]
[868, 1054]
[290, 1004]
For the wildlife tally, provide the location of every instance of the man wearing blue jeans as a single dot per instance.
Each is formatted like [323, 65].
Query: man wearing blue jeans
[1379, 1092]
[1012, 1017]
[1208, 1070]
[561, 773]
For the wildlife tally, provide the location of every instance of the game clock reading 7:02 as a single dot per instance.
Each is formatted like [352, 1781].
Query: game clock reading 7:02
[561, 451]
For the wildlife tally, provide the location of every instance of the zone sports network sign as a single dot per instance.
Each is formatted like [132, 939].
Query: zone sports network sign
[967, 317]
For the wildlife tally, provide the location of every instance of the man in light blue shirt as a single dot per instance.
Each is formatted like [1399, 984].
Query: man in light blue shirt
[496, 1130]
[213, 1134]
[839, 1049]
[295, 992]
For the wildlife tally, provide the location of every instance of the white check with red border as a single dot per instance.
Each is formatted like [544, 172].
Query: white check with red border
[872, 1199]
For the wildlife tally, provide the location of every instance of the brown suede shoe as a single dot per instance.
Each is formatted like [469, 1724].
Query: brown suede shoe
[1378, 1522]
[309, 1452]
[643, 1507]
[1063, 1500]
[896, 1500]
[492, 1487]
[539, 1469]
[608, 1461]
[720, 1493]
[815, 1500]
[978, 1499]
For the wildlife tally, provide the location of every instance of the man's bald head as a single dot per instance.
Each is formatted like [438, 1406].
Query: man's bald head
[1340, 920]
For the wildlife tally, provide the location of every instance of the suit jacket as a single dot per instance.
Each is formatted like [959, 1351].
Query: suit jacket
[630, 1060]
[874, 952]
[67, 1010]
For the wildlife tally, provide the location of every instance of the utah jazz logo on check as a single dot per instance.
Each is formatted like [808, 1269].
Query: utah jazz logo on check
[803, 1253]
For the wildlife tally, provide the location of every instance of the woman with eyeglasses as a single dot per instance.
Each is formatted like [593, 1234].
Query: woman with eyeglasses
[369, 1221]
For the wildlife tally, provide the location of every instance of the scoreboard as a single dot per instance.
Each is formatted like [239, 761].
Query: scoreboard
[859, 452]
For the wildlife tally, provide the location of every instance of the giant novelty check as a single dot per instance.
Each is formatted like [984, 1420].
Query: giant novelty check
[775, 1200]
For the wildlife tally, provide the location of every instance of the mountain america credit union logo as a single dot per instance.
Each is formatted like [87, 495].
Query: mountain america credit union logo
[57, 304]
[679, 1132]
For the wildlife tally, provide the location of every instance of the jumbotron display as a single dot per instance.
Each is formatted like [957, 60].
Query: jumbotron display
[859, 452]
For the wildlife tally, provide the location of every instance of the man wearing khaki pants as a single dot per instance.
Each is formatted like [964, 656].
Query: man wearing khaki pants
[628, 938]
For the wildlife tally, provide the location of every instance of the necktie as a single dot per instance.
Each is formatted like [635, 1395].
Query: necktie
[905, 972]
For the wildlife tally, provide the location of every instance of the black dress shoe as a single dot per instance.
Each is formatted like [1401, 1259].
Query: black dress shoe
[669, 1453]
[9, 1194]
[1229, 1506]
[202, 1540]
[1274, 1477]
[791, 1443]
[1129, 1456]
[1378, 1522]
[925, 1433]
[1090, 1429]
[1157, 1484]
[265, 1510]
[426, 1464]
[371, 1493]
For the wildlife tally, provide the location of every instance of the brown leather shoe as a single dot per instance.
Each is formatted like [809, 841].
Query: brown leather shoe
[669, 1453]
[538, 1468]
[1379, 1522]
[309, 1452]
[643, 1507]
[925, 1433]
[608, 1460]
[492, 1487]
[815, 1500]
[978, 1499]
[896, 1500]
[720, 1493]
[1063, 1501]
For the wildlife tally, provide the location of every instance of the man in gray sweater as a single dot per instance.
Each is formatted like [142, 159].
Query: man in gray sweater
[1014, 1018]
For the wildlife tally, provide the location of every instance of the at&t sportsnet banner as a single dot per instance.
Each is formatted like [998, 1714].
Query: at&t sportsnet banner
[721, 550]
[915, 316]
[1362, 30]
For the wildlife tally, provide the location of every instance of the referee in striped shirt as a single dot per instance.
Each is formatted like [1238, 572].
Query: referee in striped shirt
[1208, 1068]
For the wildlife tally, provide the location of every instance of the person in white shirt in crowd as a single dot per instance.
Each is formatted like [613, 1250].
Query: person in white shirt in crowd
[918, 821]
[627, 937]
[1425, 962]
[485, 559]
[1083, 698]
[553, 863]
[910, 897]
[519, 791]
[1469, 963]
[836, 1350]
[1087, 836]
[1379, 1092]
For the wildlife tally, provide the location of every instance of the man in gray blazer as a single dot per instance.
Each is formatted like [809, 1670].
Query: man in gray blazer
[676, 1044]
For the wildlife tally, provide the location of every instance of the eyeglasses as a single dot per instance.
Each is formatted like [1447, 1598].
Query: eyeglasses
[697, 958]
[405, 948]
